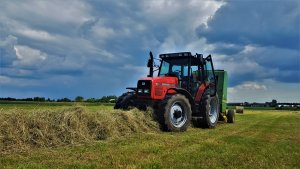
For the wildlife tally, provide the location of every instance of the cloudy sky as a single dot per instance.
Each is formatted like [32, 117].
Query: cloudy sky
[93, 48]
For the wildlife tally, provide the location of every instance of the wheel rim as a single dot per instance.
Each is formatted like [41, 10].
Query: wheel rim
[177, 115]
[213, 112]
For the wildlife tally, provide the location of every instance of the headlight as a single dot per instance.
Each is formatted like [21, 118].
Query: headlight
[140, 91]
[146, 91]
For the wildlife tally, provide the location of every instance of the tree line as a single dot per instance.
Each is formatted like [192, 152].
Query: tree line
[104, 99]
[273, 103]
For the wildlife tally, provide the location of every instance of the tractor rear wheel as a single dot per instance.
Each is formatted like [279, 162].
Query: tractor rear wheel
[175, 113]
[230, 116]
[209, 111]
[125, 101]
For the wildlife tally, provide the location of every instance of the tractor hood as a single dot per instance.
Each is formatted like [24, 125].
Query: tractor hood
[156, 87]
[163, 81]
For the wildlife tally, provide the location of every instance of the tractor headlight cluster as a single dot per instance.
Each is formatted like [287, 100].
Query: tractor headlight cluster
[144, 87]
[146, 91]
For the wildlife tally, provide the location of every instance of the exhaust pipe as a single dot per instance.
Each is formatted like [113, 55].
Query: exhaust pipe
[150, 64]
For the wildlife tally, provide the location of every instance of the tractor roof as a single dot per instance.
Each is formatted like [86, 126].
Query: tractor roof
[176, 55]
[181, 54]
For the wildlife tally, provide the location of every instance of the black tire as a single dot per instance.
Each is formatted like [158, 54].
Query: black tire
[230, 116]
[175, 113]
[142, 107]
[125, 101]
[209, 111]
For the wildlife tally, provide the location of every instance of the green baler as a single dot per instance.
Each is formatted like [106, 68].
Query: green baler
[222, 89]
[227, 116]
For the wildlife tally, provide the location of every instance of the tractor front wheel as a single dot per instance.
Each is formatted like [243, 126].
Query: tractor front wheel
[177, 113]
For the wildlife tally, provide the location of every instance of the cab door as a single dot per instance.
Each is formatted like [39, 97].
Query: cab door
[209, 75]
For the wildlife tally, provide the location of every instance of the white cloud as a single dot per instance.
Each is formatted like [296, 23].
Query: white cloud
[103, 32]
[57, 11]
[248, 49]
[36, 34]
[4, 80]
[27, 56]
[248, 87]
[181, 18]
[252, 86]
[189, 14]
[264, 91]
[8, 41]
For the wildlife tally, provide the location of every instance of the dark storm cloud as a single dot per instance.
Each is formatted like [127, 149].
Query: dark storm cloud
[265, 23]
[264, 36]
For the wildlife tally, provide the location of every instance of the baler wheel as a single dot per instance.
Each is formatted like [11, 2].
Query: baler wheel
[230, 116]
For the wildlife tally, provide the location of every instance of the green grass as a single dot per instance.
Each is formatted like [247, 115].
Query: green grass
[23, 105]
[258, 139]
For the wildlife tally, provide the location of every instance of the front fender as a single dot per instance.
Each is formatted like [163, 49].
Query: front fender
[187, 95]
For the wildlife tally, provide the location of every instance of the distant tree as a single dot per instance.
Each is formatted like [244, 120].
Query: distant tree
[246, 104]
[8, 99]
[274, 103]
[104, 99]
[79, 99]
[64, 100]
[28, 99]
[267, 104]
[91, 100]
[39, 99]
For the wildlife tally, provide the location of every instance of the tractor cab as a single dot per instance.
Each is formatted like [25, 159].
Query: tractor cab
[192, 71]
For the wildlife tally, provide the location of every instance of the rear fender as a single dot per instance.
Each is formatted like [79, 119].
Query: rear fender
[200, 92]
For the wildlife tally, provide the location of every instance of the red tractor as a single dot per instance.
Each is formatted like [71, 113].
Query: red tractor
[184, 90]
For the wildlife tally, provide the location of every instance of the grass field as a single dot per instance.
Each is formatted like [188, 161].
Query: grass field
[258, 139]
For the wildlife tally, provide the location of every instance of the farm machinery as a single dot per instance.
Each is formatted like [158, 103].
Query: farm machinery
[187, 89]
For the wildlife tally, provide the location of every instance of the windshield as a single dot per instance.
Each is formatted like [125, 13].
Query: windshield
[176, 67]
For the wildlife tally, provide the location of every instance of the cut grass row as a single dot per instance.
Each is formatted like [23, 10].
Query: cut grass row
[24, 129]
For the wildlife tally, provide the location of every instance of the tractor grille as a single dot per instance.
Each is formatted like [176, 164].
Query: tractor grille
[144, 87]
